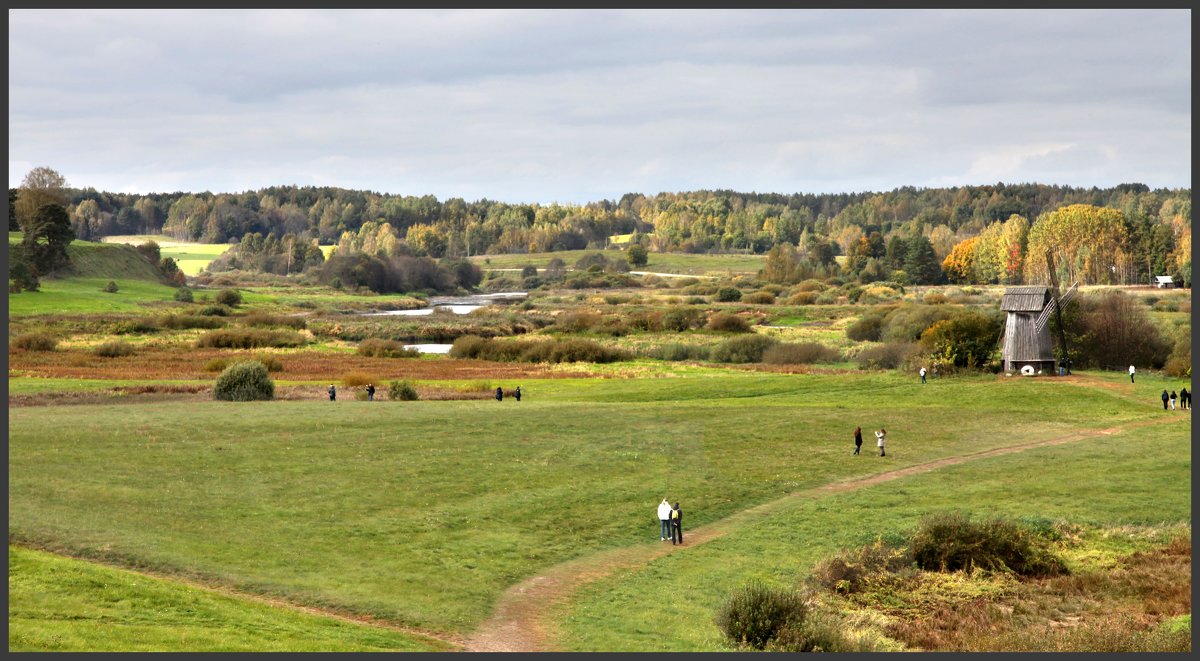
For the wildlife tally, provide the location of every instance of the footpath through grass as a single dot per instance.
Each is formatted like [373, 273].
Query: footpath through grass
[61, 604]
[424, 512]
[1141, 478]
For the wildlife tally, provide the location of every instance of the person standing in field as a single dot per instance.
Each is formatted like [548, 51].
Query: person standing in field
[1165, 399]
[922, 374]
[881, 440]
[332, 393]
[1185, 399]
[517, 393]
[499, 394]
[676, 525]
[370, 392]
[1173, 396]
[1131, 371]
[664, 519]
[857, 439]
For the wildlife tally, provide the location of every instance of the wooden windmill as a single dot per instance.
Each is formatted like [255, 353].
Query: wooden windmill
[1027, 345]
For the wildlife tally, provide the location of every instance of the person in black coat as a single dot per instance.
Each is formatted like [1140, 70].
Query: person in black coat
[499, 394]
[1185, 398]
[1165, 398]
[857, 439]
[676, 525]
[370, 392]
[332, 393]
[517, 393]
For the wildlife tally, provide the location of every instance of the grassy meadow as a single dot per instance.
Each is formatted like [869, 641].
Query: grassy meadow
[675, 263]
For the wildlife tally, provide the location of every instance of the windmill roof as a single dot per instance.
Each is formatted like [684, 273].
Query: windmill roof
[1029, 298]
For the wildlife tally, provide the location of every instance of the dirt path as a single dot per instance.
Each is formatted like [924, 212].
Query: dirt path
[521, 621]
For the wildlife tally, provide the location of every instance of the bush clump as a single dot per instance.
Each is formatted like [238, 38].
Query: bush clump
[272, 363]
[184, 295]
[111, 287]
[887, 356]
[183, 321]
[214, 311]
[249, 339]
[229, 297]
[216, 365]
[351, 379]
[401, 391]
[113, 349]
[755, 614]
[744, 349]
[680, 319]
[245, 381]
[857, 570]
[802, 353]
[534, 351]
[951, 541]
[727, 323]
[729, 294]
[268, 320]
[678, 352]
[35, 342]
[759, 298]
[802, 298]
[377, 348]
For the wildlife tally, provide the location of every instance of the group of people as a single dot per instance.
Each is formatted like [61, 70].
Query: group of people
[671, 520]
[370, 392]
[1184, 397]
[880, 441]
[500, 394]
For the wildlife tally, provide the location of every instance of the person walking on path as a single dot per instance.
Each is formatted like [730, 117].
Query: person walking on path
[880, 440]
[517, 394]
[1165, 399]
[1173, 396]
[676, 525]
[664, 519]
[332, 393]
[1185, 399]
[1131, 371]
[499, 394]
[370, 392]
[922, 375]
[857, 439]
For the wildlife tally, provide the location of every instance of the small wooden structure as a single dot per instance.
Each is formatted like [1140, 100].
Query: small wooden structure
[1164, 282]
[1027, 340]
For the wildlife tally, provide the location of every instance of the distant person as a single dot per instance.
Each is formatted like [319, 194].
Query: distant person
[1165, 398]
[922, 375]
[881, 440]
[1173, 396]
[370, 392]
[1185, 399]
[857, 439]
[332, 393]
[676, 525]
[1131, 371]
[499, 394]
[517, 393]
[664, 519]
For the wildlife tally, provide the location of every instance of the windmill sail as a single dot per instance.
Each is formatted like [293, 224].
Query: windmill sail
[1042, 318]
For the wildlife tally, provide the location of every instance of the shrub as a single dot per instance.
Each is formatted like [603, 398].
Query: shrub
[888, 356]
[906, 323]
[184, 295]
[677, 352]
[759, 298]
[467, 346]
[935, 298]
[802, 298]
[729, 294]
[578, 321]
[401, 391]
[802, 353]
[250, 339]
[111, 287]
[216, 365]
[950, 541]
[351, 379]
[728, 323]
[755, 614]
[868, 328]
[743, 349]
[182, 321]
[230, 297]
[967, 339]
[819, 631]
[682, 319]
[810, 285]
[272, 363]
[113, 349]
[377, 348]
[540, 351]
[244, 382]
[695, 300]
[848, 572]
[826, 298]
[268, 320]
[214, 311]
[528, 271]
[134, 327]
[35, 342]
[582, 351]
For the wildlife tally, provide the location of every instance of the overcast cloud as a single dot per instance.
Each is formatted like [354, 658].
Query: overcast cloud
[573, 106]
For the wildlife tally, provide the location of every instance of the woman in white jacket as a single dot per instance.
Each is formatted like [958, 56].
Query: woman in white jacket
[664, 517]
[880, 439]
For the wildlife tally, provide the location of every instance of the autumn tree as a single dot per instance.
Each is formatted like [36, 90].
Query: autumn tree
[959, 265]
[1088, 243]
[40, 187]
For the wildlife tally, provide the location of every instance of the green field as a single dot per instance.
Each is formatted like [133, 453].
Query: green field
[424, 513]
[677, 263]
[191, 257]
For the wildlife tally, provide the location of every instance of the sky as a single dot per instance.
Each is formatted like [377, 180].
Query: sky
[573, 106]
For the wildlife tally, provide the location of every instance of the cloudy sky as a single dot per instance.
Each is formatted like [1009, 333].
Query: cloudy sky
[572, 106]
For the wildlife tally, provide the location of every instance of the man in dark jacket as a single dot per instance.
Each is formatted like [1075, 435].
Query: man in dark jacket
[1166, 398]
[332, 393]
[1185, 399]
[370, 392]
[676, 525]
[517, 393]
[499, 394]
